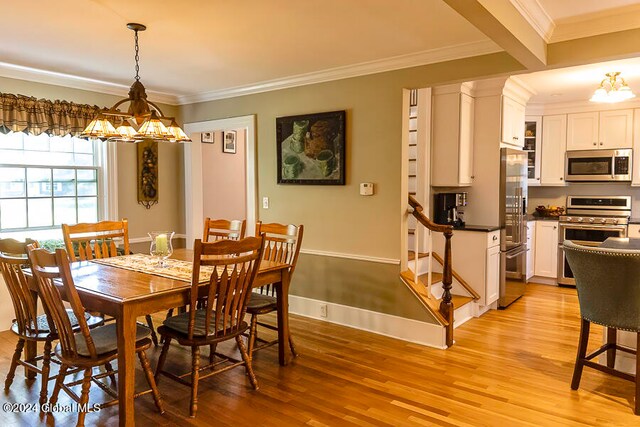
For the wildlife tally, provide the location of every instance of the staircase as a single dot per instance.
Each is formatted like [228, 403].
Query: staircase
[439, 288]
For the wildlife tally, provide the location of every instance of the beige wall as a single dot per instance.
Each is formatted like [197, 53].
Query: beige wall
[337, 218]
[224, 179]
[169, 212]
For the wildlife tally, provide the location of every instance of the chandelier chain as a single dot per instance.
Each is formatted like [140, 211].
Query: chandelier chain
[137, 57]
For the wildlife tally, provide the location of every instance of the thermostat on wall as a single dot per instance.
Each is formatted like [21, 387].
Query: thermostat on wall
[366, 188]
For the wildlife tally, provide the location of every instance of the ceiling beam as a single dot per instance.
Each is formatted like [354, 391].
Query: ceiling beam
[599, 48]
[500, 21]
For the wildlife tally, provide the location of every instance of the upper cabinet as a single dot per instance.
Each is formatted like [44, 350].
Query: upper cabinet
[600, 130]
[554, 144]
[452, 127]
[533, 147]
[512, 122]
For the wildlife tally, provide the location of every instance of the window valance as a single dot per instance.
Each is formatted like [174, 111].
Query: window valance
[19, 113]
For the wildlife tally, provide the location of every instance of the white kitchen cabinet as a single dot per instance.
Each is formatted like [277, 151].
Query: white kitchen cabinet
[634, 231]
[512, 122]
[453, 116]
[531, 248]
[600, 130]
[533, 147]
[635, 163]
[475, 256]
[492, 277]
[546, 254]
[554, 143]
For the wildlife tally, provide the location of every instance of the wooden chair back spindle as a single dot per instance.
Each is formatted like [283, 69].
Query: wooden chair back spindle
[282, 244]
[218, 229]
[49, 268]
[235, 266]
[13, 256]
[88, 241]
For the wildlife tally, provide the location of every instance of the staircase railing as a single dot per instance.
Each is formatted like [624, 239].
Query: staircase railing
[446, 306]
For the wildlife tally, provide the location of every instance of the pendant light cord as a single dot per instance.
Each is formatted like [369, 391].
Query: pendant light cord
[137, 57]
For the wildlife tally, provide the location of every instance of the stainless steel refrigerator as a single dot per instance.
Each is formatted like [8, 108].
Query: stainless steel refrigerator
[513, 232]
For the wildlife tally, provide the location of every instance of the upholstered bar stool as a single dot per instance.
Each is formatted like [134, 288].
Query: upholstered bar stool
[608, 284]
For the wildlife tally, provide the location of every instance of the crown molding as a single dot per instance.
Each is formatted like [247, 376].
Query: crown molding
[403, 61]
[570, 107]
[20, 72]
[609, 21]
[533, 12]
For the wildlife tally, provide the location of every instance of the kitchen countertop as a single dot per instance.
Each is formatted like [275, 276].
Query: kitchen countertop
[548, 218]
[475, 227]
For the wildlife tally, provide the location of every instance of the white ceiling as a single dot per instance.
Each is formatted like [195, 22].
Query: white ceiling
[198, 49]
[192, 46]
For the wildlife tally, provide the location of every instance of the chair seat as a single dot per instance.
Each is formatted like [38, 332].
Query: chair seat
[180, 323]
[105, 339]
[43, 328]
[261, 303]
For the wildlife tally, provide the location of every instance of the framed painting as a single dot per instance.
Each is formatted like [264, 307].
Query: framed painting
[311, 149]
[147, 173]
[229, 139]
[207, 137]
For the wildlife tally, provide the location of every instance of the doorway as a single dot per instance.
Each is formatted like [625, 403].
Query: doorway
[200, 159]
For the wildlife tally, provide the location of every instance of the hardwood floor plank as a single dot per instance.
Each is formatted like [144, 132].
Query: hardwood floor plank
[508, 368]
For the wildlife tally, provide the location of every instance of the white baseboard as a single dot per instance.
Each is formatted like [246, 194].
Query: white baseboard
[380, 323]
[148, 239]
[543, 280]
[463, 314]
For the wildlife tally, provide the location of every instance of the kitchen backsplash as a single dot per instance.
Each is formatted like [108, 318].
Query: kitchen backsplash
[557, 196]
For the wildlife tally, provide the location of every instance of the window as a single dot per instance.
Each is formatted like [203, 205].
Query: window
[46, 181]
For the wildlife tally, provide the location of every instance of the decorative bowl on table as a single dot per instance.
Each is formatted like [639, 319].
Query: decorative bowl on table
[549, 210]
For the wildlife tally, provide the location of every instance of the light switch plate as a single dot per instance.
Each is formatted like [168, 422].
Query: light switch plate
[265, 203]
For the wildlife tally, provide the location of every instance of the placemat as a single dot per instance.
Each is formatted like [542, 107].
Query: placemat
[143, 263]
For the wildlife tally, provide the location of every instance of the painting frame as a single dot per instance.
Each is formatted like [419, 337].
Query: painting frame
[311, 149]
[229, 141]
[147, 159]
[207, 137]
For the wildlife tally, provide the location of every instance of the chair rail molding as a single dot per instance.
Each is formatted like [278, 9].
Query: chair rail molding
[194, 210]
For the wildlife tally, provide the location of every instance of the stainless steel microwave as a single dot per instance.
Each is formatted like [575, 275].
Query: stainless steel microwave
[598, 165]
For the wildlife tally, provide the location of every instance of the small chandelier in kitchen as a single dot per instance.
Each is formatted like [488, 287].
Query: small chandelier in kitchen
[612, 89]
[147, 117]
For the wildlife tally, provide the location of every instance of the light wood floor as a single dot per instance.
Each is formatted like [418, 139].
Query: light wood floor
[508, 368]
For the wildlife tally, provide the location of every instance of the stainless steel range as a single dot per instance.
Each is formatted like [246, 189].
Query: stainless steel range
[589, 221]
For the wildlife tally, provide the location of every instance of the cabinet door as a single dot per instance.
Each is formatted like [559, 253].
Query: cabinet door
[531, 248]
[546, 244]
[512, 122]
[492, 279]
[635, 164]
[554, 140]
[465, 153]
[616, 129]
[533, 147]
[582, 131]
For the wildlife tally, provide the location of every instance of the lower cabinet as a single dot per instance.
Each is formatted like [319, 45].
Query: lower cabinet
[492, 276]
[531, 248]
[546, 245]
[475, 257]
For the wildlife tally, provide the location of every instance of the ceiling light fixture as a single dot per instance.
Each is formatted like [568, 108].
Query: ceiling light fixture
[143, 120]
[612, 89]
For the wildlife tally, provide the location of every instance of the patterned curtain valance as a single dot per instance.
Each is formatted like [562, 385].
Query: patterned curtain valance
[19, 113]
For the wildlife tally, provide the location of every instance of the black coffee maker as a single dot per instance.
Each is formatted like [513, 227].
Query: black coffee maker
[446, 208]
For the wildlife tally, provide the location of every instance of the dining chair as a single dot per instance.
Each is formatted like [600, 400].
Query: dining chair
[218, 229]
[608, 285]
[28, 325]
[87, 241]
[87, 348]
[235, 264]
[282, 244]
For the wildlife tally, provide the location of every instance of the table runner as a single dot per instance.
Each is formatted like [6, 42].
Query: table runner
[143, 263]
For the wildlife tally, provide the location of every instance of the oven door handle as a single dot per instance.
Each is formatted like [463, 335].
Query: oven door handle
[593, 227]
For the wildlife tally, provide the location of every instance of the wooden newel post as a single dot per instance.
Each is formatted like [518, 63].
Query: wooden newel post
[446, 306]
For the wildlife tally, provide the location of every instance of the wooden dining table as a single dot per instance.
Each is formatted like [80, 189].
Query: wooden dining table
[127, 295]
